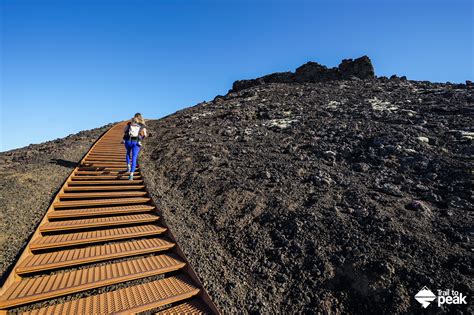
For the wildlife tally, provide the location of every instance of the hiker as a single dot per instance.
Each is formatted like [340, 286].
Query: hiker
[134, 133]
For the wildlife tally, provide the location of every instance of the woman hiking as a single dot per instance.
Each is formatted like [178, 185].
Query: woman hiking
[134, 133]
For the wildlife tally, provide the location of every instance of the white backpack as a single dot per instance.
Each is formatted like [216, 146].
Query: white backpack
[134, 130]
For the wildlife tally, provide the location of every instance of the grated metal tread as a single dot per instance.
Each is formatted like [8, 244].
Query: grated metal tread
[101, 168]
[133, 299]
[79, 256]
[103, 188]
[105, 162]
[59, 284]
[105, 182]
[105, 159]
[79, 238]
[195, 306]
[114, 152]
[109, 148]
[92, 160]
[106, 156]
[117, 172]
[106, 148]
[102, 194]
[104, 151]
[96, 152]
[98, 222]
[87, 177]
[99, 202]
[88, 212]
[118, 166]
[103, 230]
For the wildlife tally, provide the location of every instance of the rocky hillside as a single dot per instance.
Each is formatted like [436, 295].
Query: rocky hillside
[29, 180]
[324, 190]
[321, 190]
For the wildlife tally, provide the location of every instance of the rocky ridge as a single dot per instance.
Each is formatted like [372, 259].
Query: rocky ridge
[311, 72]
[338, 196]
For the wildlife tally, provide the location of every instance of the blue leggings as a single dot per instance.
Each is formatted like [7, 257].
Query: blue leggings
[132, 149]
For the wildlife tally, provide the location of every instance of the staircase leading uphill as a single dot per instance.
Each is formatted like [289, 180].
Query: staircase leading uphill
[103, 231]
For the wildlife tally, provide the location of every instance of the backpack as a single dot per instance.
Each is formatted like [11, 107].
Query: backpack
[133, 131]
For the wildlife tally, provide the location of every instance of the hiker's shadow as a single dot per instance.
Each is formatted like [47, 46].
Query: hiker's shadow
[64, 163]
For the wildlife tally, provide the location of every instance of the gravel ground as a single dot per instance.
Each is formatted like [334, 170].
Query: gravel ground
[338, 197]
[29, 179]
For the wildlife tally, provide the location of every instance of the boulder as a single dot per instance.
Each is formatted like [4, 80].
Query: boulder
[361, 68]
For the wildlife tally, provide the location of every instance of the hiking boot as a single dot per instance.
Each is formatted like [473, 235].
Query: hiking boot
[128, 168]
[130, 177]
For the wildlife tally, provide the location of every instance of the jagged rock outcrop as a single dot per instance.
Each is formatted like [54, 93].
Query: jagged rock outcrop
[313, 72]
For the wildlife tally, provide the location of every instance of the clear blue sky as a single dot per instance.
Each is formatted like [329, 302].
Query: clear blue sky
[71, 65]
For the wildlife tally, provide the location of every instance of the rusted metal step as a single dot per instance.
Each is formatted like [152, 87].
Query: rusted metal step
[120, 158]
[89, 237]
[105, 158]
[96, 150]
[104, 169]
[105, 162]
[107, 194]
[103, 188]
[90, 212]
[116, 155]
[78, 224]
[107, 170]
[102, 229]
[105, 146]
[99, 202]
[30, 290]
[95, 177]
[113, 169]
[85, 255]
[194, 306]
[123, 165]
[134, 299]
[105, 182]
[114, 173]
[108, 160]
[111, 151]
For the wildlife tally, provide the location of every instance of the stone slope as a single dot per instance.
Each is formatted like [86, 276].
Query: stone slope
[342, 196]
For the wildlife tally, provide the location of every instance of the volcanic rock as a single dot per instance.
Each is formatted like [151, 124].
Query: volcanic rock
[305, 192]
[331, 204]
[360, 68]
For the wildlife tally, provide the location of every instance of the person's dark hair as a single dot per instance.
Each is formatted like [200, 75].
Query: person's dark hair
[138, 119]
